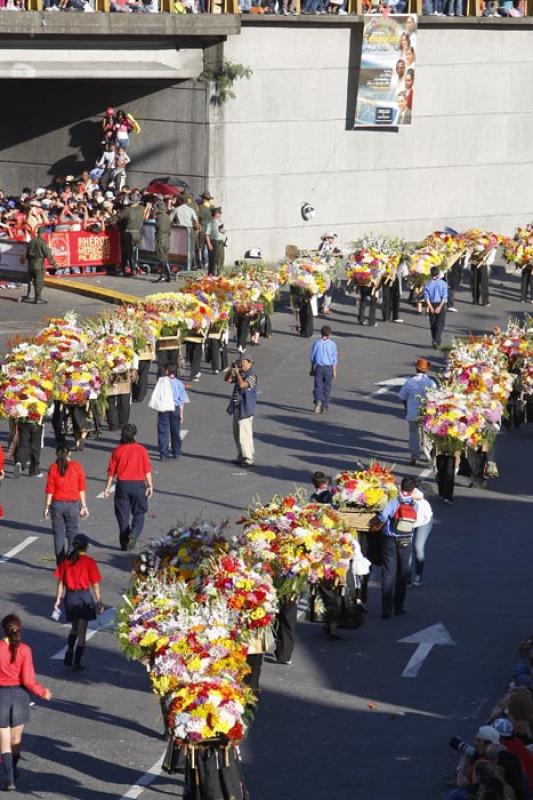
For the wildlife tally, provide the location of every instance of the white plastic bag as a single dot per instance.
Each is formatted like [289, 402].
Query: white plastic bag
[162, 398]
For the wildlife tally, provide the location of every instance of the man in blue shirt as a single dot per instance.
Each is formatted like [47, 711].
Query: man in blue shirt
[169, 422]
[412, 394]
[436, 297]
[323, 368]
[396, 547]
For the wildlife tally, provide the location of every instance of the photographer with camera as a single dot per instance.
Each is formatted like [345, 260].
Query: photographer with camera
[485, 736]
[242, 408]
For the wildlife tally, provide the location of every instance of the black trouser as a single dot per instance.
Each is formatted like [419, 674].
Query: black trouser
[436, 325]
[306, 319]
[255, 662]
[390, 305]
[194, 357]
[217, 355]
[59, 418]
[140, 387]
[446, 475]
[477, 462]
[130, 507]
[243, 330]
[370, 544]
[368, 300]
[129, 243]
[216, 259]
[396, 557]
[332, 599]
[285, 629]
[480, 284]
[28, 451]
[118, 411]
[526, 282]
[455, 277]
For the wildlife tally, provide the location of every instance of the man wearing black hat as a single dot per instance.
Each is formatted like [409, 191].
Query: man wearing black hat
[214, 240]
[131, 220]
[36, 251]
[162, 240]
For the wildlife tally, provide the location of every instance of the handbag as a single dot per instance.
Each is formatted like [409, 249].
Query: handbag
[162, 398]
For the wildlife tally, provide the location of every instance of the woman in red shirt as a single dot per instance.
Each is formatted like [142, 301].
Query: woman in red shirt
[17, 678]
[78, 578]
[65, 501]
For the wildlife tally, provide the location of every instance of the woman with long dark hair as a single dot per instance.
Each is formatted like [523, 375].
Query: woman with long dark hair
[66, 500]
[17, 678]
[78, 579]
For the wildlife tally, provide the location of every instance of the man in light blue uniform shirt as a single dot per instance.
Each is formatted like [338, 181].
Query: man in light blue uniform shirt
[169, 422]
[323, 368]
[412, 394]
[436, 297]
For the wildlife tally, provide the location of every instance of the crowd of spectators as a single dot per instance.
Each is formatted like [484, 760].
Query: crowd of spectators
[499, 764]
[93, 200]
[449, 8]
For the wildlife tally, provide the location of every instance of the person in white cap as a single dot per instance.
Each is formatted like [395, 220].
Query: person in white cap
[326, 248]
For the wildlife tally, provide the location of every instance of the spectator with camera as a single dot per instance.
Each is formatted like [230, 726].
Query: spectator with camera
[242, 408]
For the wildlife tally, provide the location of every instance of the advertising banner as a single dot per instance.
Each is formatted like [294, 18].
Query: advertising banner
[13, 266]
[386, 80]
[178, 245]
[84, 249]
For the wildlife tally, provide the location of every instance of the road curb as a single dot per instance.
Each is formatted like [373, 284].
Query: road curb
[86, 290]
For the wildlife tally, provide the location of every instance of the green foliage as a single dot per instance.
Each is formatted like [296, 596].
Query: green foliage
[223, 78]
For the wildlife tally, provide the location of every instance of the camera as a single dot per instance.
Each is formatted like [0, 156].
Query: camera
[456, 743]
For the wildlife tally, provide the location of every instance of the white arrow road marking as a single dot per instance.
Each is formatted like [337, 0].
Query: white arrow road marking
[13, 552]
[111, 490]
[426, 472]
[106, 621]
[386, 386]
[183, 434]
[144, 781]
[426, 641]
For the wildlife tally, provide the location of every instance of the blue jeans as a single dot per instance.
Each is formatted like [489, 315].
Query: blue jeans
[323, 382]
[420, 538]
[454, 7]
[168, 432]
[130, 507]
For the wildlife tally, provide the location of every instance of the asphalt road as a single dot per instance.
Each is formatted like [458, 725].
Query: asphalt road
[341, 721]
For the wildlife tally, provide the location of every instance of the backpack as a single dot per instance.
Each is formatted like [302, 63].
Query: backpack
[404, 520]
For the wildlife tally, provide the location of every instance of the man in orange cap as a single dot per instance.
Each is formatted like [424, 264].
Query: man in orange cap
[412, 394]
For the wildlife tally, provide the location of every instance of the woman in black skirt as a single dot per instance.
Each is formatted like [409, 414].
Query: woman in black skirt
[17, 678]
[78, 578]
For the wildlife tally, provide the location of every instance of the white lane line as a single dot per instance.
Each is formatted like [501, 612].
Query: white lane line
[105, 620]
[5, 558]
[144, 781]
[383, 390]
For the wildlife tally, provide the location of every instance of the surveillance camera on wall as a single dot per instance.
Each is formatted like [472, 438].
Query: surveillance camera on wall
[308, 211]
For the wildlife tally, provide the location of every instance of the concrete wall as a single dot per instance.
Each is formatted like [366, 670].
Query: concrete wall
[53, 129]
[466, 160]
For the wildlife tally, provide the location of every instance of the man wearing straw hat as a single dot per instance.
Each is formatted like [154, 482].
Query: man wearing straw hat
[412, 394]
